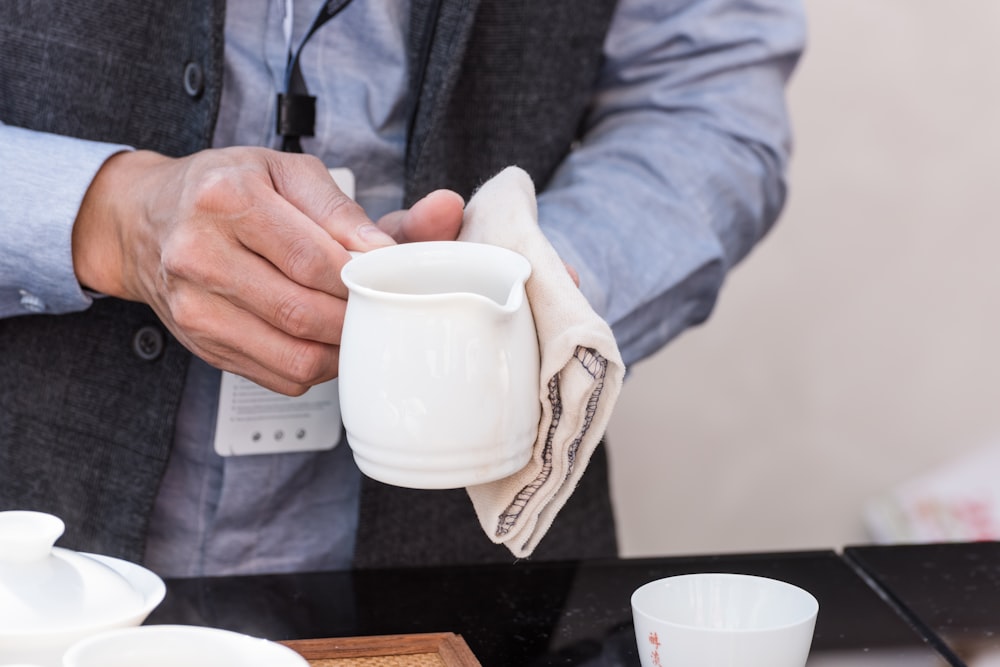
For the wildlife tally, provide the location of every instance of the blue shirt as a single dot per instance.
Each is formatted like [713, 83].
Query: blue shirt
[680, 171]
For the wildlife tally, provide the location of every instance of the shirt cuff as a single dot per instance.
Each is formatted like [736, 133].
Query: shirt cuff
[47, 176]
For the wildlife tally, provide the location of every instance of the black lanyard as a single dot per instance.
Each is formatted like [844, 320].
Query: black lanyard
[296, 107]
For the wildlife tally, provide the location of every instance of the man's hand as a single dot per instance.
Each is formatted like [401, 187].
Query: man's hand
[239, 252]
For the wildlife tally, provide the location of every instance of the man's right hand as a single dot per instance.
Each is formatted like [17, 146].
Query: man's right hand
[239, 253]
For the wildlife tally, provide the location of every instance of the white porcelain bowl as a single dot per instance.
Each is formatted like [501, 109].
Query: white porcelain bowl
[179, 646]
[52, 597]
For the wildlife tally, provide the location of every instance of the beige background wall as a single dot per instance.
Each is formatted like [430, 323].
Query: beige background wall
[859, 345]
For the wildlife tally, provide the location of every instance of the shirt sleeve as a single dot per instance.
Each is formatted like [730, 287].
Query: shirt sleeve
[681, 168]
[45, 179]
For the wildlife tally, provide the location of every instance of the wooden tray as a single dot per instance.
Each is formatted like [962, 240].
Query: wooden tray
[440, 649]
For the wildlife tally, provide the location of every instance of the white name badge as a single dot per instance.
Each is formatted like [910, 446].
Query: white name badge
[255, 420]
[344, 178]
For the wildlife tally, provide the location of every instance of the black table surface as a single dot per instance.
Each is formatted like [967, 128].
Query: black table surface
[949, 591]
[566, 613]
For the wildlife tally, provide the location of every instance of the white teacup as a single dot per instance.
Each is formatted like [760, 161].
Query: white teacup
[179, 646]
[723, 620]
[439, 364]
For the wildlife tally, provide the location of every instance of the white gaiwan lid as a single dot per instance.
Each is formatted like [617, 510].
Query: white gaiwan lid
[47, 589]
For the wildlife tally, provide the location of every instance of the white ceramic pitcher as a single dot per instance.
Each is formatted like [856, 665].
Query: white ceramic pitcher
[439, 364]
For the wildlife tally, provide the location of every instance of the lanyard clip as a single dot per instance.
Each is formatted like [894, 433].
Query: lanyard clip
[296, 115]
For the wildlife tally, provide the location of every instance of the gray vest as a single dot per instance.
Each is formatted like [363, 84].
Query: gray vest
[88, 400]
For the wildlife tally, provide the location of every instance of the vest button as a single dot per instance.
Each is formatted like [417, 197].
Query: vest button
[194, 80]
[147, 343]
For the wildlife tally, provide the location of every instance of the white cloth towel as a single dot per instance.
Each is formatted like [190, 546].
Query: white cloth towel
[581, 370]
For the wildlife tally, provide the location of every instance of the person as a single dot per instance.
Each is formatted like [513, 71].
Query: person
[153, 233]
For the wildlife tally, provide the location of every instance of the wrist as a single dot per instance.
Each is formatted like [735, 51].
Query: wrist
[97, 239]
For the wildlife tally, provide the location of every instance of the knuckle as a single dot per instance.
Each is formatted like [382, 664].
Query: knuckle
[213, 190]
[331, 199]
[186, 260]
[336, 201]
[293, 315]
[311, 161]
[295, 389]
[188, 313]
[306, 366]
[220, 186]
[177, 256]
[302, 262]
[287, 165]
